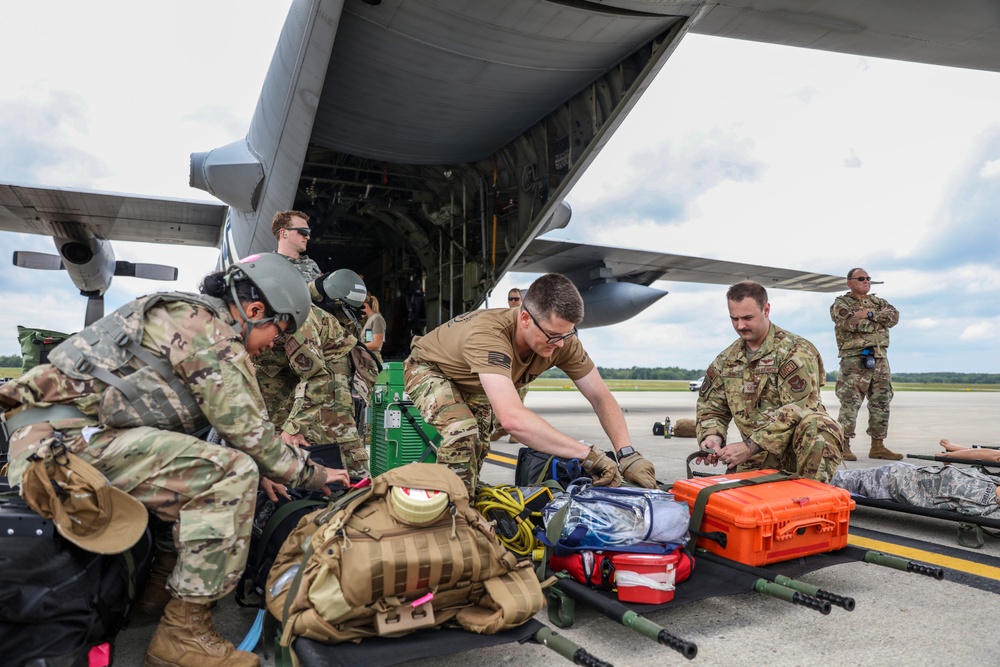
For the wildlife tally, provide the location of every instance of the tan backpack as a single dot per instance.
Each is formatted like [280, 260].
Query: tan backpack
[357, 569]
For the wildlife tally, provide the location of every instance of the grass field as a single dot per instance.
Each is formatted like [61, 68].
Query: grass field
[550, 384]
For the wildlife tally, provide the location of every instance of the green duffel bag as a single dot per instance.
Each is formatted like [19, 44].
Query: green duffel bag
[36, 345]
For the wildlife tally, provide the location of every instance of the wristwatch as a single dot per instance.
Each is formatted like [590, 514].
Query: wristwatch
[626, 451]
[871, 315]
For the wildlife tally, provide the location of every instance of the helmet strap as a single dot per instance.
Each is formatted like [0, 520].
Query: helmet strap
[247, 324]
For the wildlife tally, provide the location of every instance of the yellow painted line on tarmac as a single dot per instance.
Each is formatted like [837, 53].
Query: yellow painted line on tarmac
[960, 564]
[501, 458]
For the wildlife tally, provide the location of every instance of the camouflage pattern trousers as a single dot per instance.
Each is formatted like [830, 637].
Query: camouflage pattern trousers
[811, 445]
[205, 491]
[464, 421]
[964, 490]
[855, 383]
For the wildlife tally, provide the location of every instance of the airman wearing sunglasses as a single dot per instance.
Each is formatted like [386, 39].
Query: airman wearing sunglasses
[468, 369]
[291, 230]
[861, 323]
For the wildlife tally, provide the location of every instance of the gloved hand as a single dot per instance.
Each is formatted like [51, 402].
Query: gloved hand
[601, 468]
[638, 470]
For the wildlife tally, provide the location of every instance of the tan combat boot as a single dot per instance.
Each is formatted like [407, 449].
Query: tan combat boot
[155, 595]
[186, 637]
[848, 455]
[880, 451]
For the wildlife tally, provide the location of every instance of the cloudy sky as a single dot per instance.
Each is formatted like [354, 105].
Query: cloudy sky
[741, 151]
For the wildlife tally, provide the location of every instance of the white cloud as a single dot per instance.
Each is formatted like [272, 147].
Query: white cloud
[990, 169]
[981, 331]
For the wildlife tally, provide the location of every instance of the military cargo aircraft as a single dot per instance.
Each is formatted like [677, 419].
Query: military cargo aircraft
[433, 142]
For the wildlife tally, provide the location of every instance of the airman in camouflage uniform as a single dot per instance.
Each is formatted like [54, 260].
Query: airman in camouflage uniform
[861, 323]
[462, 372]
[205, 491]
[305, 380]
[769, 383]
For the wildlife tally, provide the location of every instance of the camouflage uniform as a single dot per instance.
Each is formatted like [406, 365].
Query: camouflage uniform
[775, 401]
[307, 267]
[305, 378]
[206, 491]
[441, 376]
[855, 382]
[963, 490]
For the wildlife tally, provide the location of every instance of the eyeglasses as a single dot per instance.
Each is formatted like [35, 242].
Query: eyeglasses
[549, 338]
[304, 231]
[513, 298]
[863, 279]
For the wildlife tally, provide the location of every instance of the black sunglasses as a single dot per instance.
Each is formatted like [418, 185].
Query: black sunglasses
[305, 231]
[513, 298]
[864, 279]
[549, 338]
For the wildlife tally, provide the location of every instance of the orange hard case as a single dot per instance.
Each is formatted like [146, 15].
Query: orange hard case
[773, 521]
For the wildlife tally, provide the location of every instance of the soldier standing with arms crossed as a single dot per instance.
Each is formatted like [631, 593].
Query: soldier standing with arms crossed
[861, 323]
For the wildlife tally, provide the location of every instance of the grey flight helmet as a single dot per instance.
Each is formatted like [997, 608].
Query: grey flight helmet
[345, 286]
[278, 284]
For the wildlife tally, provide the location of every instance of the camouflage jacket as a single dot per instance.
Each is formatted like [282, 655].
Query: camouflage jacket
[787, 370]
[307, 267]
[855, 335]
[207, 353]
[304, 360]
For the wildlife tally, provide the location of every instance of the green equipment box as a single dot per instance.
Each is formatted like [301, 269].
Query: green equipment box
[399, 435]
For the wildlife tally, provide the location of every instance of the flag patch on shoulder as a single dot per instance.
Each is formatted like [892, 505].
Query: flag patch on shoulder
[498, 359]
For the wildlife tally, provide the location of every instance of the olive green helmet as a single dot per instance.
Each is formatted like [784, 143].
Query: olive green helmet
[280, 286]
[345, 286]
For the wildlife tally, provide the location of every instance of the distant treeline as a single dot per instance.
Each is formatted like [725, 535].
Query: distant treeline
[636, 373]
[687, 374]
[674, 373]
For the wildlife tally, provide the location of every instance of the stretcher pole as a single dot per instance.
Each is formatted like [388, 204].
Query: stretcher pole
[897, 563]
[620, 613]
[567, 648]
[781, 580]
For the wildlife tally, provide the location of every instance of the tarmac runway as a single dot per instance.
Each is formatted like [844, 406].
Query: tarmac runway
[900, 618]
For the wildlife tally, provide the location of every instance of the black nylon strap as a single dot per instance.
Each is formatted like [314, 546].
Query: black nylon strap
[431, 444]
[701, 500]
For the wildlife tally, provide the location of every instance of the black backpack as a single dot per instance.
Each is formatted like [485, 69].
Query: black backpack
[535, 468]
[57, 600]
[272, 523]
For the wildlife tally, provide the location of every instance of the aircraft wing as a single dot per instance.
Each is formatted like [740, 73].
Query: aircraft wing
[588, 263]
[78, 214]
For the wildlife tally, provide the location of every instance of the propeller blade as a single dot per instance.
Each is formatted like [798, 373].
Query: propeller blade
[95, 310]
[147, 271]
[37, 260]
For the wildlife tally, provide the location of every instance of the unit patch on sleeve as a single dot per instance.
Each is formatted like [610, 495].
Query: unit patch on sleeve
[797, 384]
[303, 362]
[788, 368]
[498, 359]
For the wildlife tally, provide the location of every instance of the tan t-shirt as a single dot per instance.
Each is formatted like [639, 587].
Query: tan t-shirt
[482, 341]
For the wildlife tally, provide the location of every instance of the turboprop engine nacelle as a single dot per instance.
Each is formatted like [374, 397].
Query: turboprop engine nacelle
[613, 302]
